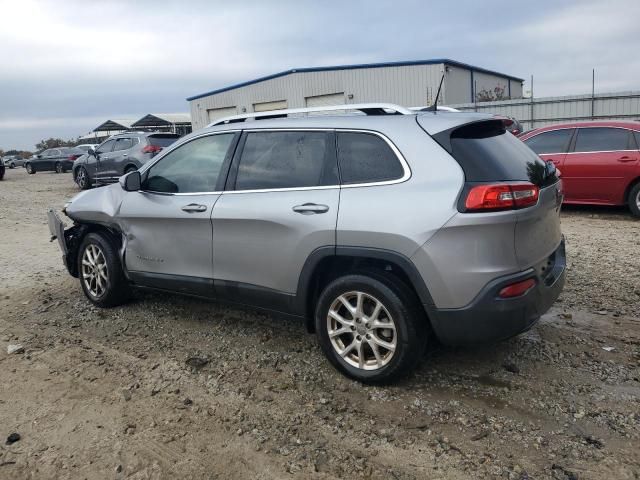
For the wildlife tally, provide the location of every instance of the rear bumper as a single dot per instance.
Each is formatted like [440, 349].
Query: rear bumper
[489, 318]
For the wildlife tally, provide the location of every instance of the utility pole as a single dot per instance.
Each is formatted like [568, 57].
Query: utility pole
[593, 94]
[475, 94]
[532, 119]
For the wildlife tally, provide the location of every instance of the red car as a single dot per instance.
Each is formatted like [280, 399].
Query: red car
[599, 161]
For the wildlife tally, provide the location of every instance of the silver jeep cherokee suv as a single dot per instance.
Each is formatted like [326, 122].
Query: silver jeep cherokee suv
[380, 230]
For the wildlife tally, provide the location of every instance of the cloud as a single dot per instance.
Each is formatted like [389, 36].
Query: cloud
[67, 63]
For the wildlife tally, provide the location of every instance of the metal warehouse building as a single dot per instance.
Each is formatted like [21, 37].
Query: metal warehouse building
[409, 83]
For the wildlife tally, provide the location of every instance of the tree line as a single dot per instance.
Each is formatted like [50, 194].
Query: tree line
[42, 145]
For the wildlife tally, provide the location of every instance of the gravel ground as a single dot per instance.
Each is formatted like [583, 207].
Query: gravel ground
[110, 394]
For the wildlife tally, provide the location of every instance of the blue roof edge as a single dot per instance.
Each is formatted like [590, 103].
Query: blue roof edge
[407, 63]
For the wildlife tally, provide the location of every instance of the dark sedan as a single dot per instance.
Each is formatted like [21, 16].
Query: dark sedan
[57, 160]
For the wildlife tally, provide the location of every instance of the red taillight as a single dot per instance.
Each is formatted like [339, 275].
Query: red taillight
[73, 157]
[151, 149]
[501, 196]
[517, 289]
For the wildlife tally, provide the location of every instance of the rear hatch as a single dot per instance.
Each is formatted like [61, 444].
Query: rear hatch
[491, 157]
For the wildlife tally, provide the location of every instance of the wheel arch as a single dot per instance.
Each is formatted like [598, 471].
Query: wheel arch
[76, 234]
[327, 263]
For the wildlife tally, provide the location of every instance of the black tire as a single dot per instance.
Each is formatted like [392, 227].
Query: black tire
[634, 200]
[59, 168]
[402, 306]
[130, 169]
[30, 169]
[12, 165]
[116, 290]
[82, 179]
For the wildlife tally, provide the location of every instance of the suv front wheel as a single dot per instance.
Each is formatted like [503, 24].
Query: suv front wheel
[100, 272]
[371, 328]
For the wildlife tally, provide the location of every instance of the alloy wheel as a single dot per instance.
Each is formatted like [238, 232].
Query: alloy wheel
[58, 168]
[638, 200]
[81, 178]
[95, 274]
[361, 330]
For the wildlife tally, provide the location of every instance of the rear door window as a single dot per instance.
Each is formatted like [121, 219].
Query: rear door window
[286, 160]
[554, 141]
[601, 139]
[366, 158]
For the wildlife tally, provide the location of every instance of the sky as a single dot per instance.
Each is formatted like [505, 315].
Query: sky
[66, 66]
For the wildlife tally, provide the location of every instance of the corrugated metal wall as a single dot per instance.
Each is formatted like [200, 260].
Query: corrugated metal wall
[410, 86]
[538, 112]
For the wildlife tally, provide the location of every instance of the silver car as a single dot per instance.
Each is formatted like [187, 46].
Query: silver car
[380, 230]
[13, 161]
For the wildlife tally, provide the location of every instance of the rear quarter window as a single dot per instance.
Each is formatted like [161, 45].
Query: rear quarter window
[366, 158]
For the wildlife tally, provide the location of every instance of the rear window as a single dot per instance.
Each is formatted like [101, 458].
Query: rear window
[162, 140]
[601, 139]
[366, 158]
[488, 153]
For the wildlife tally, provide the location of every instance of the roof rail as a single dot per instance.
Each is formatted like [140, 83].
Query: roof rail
[366, 108]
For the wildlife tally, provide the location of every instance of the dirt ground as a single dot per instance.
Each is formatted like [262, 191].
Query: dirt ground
[108, 393]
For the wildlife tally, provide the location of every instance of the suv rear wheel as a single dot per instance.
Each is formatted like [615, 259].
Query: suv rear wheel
[634, 200]
[30, 169]
[100, 272]
[370, 328]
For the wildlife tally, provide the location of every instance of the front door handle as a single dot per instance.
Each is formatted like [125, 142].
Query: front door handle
[627, 159]
[310, 208]
[194, 207]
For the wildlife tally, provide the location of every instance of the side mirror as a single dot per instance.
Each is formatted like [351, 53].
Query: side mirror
[131, 181]
[38, 156]
[92, 151]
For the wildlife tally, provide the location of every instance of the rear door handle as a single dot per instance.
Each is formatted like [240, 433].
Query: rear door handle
[194, 207]
[627, 159]
[310, 208]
